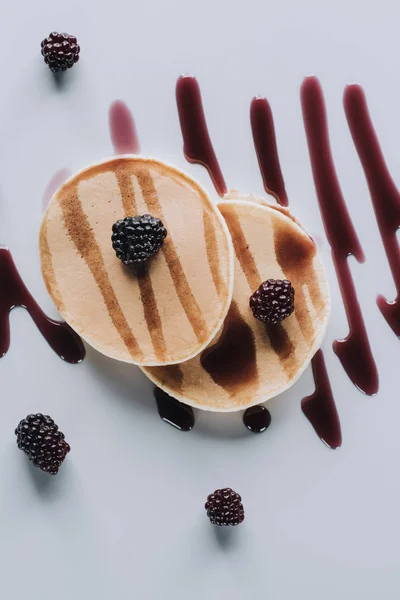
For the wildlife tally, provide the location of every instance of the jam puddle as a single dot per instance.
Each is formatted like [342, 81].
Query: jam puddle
[384, 194]
[231, 361]
[175, 413]
[123, 129]
[354, 352]
[262, 125]
[197, 145]
[60, 337]
[320, 408]
[257, 419]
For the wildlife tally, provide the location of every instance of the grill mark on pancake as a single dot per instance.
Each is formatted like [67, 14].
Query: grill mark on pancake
[83, 237]
[50, 278]
[279, 338]
[169, 375]
[152, 315]
[295, 255]
[147, 295]
[185, 295]
[212, 251]
[124, 179]
[231, 361]
[242, 250]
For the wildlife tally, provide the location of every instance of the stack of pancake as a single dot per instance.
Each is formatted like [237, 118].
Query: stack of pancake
[185, 319]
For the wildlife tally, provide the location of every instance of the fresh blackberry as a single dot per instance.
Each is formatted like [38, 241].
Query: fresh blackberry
[39, 437]
[136, 239]
[273, 301]
[60, 51]
[224, 507]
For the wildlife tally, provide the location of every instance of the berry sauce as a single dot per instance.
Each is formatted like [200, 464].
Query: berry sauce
[384, 194]
[354, 352]
[262, 125]
[60, 337]
[55, 182]
[257, 419]
[231, 361]
[197, 144]
[320, 408]
[173, 412]
[122, 129]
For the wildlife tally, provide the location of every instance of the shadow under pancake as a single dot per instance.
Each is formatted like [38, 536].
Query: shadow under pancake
[212, 425]
[123, 382]
[127, 384]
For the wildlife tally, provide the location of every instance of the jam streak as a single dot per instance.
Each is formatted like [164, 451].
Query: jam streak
[123, 129]
[60, 337]
[173, 412]
[354, 352]
[384, 194]
[320, 408]
[262, 126]
[197, 145]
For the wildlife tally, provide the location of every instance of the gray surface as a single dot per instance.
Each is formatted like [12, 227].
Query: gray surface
[125, 516]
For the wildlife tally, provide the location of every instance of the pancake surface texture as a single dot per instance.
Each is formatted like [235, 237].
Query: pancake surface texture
[172, 310]
[251, 362]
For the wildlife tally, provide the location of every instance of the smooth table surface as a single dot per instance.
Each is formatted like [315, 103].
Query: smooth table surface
[125, 517]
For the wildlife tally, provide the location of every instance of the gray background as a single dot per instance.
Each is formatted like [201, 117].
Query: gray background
[125, 516]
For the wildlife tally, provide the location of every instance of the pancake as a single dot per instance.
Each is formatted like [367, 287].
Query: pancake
[252, 362]
[173, 310]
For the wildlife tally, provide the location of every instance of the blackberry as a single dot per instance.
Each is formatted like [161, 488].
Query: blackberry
[136, 239]
[273, 301]
[39, 437]
[224, 507]
[60, 51]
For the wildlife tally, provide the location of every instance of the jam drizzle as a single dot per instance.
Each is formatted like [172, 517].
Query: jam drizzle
[175, 413]
[123, 129]
[263, 129]
[320, 408]
[60, 337]
[384, 194]
[354, 352]
[197, 145]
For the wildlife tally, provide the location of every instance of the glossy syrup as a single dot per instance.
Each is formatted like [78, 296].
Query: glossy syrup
[354, 352]
[173, 412]
[320, 408]
[123, 129]
[257, 419]
[384, 194]
[262, 125]
[197, 144]
[60, 337]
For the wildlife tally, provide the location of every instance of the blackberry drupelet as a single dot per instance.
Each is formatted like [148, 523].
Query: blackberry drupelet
[60, 51]
[136, 239]
[273, 301]
[224, 507]
[39, 437]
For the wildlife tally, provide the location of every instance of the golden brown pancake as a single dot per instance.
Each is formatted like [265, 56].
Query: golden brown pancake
[172, 311]
[251, 362]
